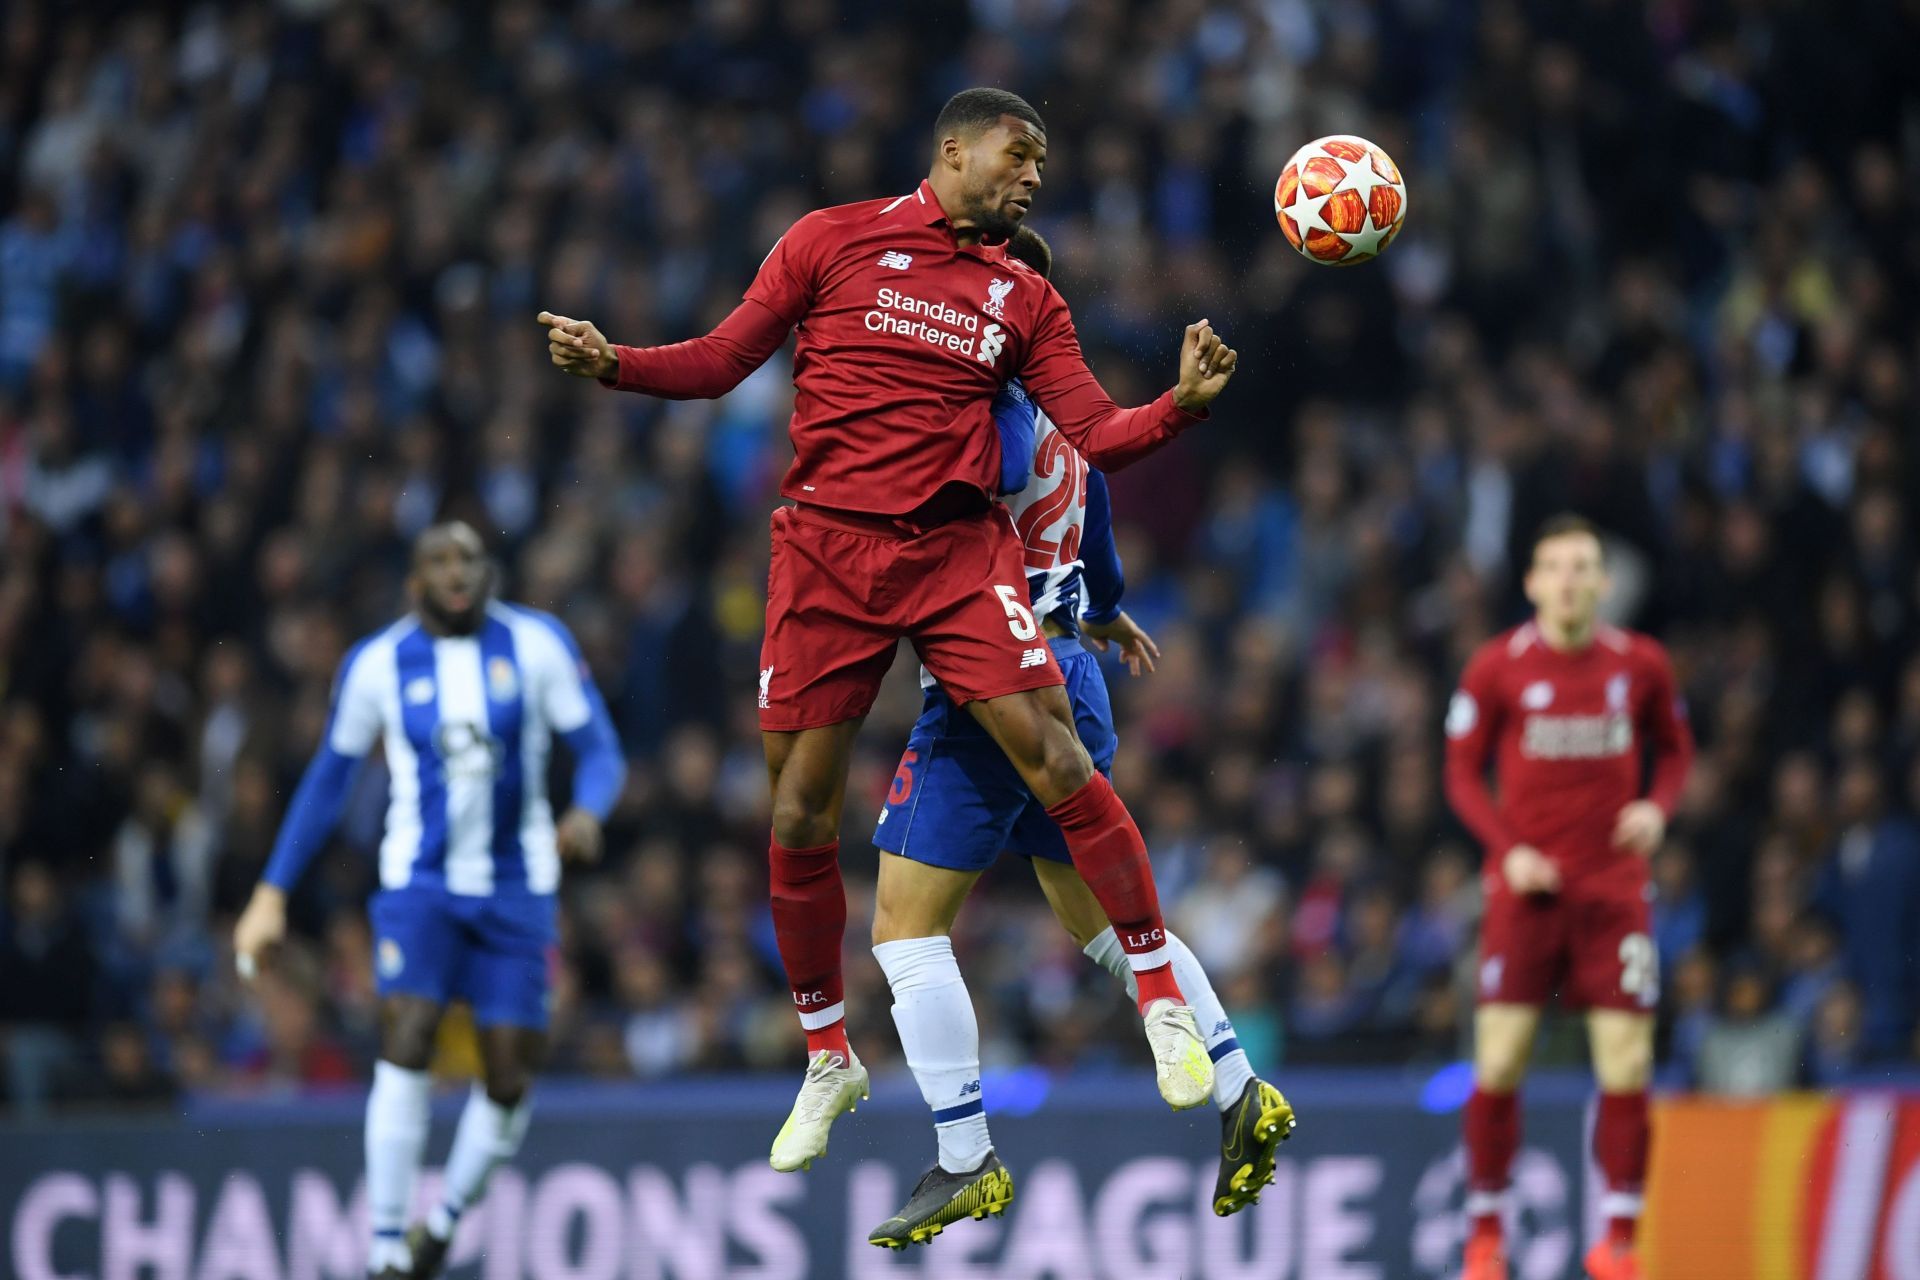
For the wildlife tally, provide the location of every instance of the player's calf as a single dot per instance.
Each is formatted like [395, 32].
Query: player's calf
[1623, 1061]
[489, 1135]
[396, 1137]
[1036, 730]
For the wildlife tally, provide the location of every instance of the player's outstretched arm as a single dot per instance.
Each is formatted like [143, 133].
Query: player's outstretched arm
[698, 369]
[1056, 375]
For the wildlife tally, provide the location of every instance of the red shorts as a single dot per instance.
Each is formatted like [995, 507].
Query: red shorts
[843, 589]
[1592, 942]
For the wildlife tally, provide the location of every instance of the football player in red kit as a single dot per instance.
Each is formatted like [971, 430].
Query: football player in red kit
[911, 317]
[1569, 710]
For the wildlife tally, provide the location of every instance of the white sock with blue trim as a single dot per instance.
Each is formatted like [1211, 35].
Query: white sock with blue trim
[396, 1137]
[1231, 1070]
[489, 1135]
[941, 1039]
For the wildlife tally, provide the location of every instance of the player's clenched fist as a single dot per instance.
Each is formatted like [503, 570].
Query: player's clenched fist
[578, 347]
[1206, 363]
[1530, 871]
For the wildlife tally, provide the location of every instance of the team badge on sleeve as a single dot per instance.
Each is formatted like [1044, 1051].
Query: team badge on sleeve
[1462, 714]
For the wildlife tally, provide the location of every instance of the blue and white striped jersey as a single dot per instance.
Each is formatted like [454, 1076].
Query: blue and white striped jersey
[1065, 523]
[1066, 533]
[467, 723]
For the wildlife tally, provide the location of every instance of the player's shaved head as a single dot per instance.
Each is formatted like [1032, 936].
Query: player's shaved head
[1031, 248]
[971, 112]
[436, 537]
[451, 579]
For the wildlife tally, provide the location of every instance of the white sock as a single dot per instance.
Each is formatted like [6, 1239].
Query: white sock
[396, 1136]
[489, 1135]
[1231, 1070]
[941, 1038]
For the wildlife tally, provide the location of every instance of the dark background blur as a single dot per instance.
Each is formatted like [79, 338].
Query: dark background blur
[267, 275]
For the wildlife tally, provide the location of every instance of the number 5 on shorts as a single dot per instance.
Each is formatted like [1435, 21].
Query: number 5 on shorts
[1019, 617]
[1640, 969]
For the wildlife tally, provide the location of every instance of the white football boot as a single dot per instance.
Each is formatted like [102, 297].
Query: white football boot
[1181, 1066]
[831, 1089]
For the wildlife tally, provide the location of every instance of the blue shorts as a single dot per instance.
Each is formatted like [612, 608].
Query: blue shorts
[492, 952]
[957, 802]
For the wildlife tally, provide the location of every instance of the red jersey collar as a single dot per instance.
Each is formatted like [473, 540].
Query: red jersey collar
[933, 215]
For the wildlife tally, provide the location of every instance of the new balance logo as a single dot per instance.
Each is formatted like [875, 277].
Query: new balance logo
[992, 340]
[897, 260]
[1221, 1026]
[1033, 658]
[971, 1086]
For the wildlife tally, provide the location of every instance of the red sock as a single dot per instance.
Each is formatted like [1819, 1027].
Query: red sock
[1621, 1137]
[1491, 1128]
[809, 921]
[1112, 858]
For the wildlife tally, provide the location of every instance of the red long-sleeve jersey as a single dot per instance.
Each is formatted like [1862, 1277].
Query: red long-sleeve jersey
[905, 336]
[1568, 733]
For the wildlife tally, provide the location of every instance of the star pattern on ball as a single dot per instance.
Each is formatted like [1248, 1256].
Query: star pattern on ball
[1305, 212]
[1365, 241]
[1315, 167]
[1360, 176]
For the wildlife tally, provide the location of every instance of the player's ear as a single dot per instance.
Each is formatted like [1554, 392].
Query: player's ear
[950, 153]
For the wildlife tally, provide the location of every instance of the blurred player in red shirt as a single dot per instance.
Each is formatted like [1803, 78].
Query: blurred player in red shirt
[911, 317]
[1569, 709]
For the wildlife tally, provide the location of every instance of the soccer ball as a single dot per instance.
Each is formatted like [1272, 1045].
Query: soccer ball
[1340, 200]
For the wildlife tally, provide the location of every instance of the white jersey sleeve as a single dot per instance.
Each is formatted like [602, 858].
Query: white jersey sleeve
[360, 699]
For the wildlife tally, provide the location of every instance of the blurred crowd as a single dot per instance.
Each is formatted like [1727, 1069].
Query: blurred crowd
[267, 280]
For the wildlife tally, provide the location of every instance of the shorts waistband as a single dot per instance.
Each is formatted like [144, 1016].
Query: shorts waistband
[877, 526]
[1066, 646]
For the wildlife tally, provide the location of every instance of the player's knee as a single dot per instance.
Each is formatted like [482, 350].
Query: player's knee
[801, 821]
[1625, 1064]
[407, 1045]
[1499, 1066]
[901, 927]
[1064, 766]
[407, 1025]
[1500, 1074]
[507, 1085]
